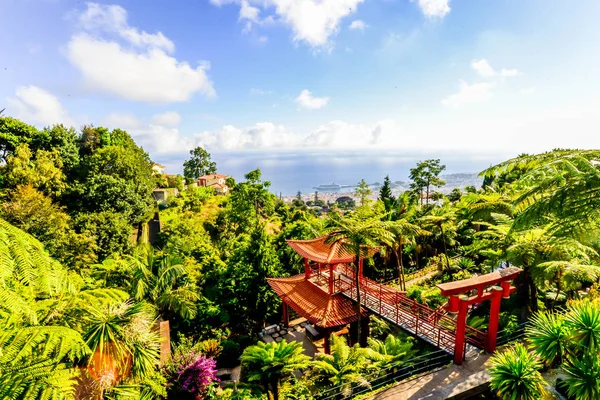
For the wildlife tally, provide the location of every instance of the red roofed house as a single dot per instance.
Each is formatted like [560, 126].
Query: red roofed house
[215, 181]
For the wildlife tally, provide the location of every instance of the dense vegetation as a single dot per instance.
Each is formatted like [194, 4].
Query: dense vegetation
[83, 283]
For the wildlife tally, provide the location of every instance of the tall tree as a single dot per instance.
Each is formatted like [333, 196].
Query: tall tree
[250, 201]
[385, 193]
[363, 191]
[425, 176]
[198, 165]
[358, 233]
[14, 133]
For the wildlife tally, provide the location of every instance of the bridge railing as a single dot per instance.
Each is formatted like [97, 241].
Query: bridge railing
[394, 305]
[382, 377]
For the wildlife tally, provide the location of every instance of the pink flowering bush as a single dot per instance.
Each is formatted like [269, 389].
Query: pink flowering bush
[191, 376]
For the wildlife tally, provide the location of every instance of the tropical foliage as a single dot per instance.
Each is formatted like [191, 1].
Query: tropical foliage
[85, 275]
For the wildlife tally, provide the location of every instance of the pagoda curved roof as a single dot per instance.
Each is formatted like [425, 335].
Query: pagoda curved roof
[325, 253]
[314, 304]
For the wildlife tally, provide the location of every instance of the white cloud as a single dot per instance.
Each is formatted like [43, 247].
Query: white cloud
[312, 21]
[38, 107]
[434, 8]
[358, 25]
[259, 136]
[158, 137]
[121, 121]
[306, 100]
[483, 68]
[469, 93]
[140, 69]
[528, 91]
[249, 12]
[113, 19]
[169, 118]
[509, 72]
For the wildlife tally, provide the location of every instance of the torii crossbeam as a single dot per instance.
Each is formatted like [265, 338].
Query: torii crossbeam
[487, 289]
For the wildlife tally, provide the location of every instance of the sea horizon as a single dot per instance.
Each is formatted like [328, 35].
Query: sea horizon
[290, 173]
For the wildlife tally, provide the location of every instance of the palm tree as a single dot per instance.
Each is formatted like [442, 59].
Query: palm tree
[443, 218]
[404, 230]
[357, 234]
[344, 367]
[563, 184]
[515, 375]
[162, 281]
[549, 337]
[393, 351]
[36, 362]
[270, 363]
[122, 341]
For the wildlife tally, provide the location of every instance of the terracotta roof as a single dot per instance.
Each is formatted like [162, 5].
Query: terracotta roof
[214, 176]
[219, 185]
[506, 274]
[326, 253]
[312, 303]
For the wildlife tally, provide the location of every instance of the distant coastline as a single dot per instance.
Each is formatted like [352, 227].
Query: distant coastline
[331, 193]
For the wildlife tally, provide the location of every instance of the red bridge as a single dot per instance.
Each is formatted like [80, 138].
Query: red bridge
[326, 296]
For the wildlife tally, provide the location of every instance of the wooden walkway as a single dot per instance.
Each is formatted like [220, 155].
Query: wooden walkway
[432, 326]
[453, 382]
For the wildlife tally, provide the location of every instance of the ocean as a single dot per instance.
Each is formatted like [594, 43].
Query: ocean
[292, 172]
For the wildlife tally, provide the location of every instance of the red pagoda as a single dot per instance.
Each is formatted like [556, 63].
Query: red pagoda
[317, 294]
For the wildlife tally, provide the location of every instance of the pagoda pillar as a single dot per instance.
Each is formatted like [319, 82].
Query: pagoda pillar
[492, 332]
[360, 268]
[286, 314]
[327, 342]
[364, 331]
[306, 269]
[330, 278]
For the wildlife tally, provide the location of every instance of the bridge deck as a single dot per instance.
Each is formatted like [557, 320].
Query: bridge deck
[432, 326]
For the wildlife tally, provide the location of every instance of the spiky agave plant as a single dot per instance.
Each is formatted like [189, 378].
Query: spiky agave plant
[549, 337]
[582, 376]
[515, 375]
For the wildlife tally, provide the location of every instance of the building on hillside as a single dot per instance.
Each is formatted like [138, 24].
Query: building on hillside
[215, 181]
[158, 169]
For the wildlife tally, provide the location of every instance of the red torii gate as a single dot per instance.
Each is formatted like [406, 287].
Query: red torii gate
[459, 302]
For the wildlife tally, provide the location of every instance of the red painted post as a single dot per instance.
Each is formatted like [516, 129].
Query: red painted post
[506, 290]
[461, 324]
[453, 304]
[306, 269]
[360, 268]
[492, 331]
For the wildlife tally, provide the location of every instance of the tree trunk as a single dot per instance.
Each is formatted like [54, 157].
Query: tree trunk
[399, 268]
[358, 306]
[275, 388]
[445, 250]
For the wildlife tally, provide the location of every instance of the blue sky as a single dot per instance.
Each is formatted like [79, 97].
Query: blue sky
[483, 78]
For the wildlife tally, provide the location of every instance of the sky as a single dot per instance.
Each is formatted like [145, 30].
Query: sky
[253, 79]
